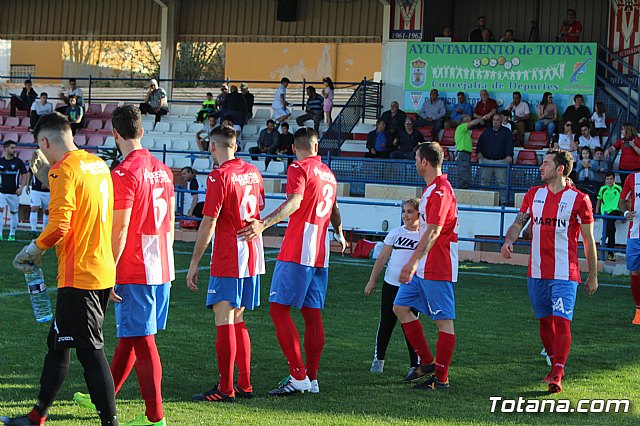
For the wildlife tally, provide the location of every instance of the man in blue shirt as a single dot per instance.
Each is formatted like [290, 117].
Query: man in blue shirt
[379, 141]
[267, 143]
[314, 109]
[461, 108]
[495, 148]
[432, 113]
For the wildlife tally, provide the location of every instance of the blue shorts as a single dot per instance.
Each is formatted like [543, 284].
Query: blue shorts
[143, 309]
[433, 298]
[299, 285]
[633, 254]
[552, 297]
[239, 292]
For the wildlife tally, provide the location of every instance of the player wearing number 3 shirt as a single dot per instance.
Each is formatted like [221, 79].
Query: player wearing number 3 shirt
[300, 277]
[559, 213]
[235, 195]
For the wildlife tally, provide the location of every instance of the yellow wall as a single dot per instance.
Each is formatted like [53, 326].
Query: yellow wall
[311, 61]
[45, 55]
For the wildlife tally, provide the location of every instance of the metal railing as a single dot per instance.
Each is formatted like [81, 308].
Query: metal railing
[621, 81]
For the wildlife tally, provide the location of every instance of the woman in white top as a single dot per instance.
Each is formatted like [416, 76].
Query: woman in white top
[567, 141]
[399, 245]
[599, 120]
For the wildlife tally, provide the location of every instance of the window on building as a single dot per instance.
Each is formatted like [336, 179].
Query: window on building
[21, 72]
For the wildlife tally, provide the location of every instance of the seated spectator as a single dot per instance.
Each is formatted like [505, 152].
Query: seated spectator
[464, 149]
[629, 143]
[155, 101]
[379, 141]
[228, 121]
[408, 140]
[459, 109]
[584, 167]
[476, 34]
[72, 90]
[448, 32]
[432, 113]
[208, 108]
[485, 109]
[267, 143]
[280, 104]
[508, 37]
[487, 37]
[599, 165]
[23, 102]
[75, 114]
[394, 118]
[224, 89]
[248, 98]
[567, 140]
[586, 139]
[571, 29]
[314, 109]
[547, 115]
[506, 120]
[495, 148]
[599, 120]
[577, 113]
[521, 116]
[235, 105]
[39, 108]
[608, 204]
[202, 135]
[285, 143]
[197, 195]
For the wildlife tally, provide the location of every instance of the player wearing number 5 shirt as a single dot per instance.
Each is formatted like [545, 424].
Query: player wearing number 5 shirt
[559, 214]
[300, 277]
[235, 196]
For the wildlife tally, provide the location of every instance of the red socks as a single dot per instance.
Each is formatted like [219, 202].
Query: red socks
[444, 352]
[289, 339]
[226, 352]
[243, 356]
[561, 344]
[415, 335]
[635, 289]
[122, 362]
[547, 335]
[313, 339]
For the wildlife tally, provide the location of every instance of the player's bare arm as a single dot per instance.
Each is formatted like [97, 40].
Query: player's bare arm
[336, 222]
[205, 233]
[257, 227]
[172, 218]
[121, 220]
[591, 284]
[624, 206]
[512, 234]
[377, 269]
[426, 242]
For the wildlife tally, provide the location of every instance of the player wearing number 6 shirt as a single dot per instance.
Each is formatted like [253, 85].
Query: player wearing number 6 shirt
[235, 195]
[629, 205]
[81, 211]
[300, 277]
[142, 242]
[429, 276]
[559, 214]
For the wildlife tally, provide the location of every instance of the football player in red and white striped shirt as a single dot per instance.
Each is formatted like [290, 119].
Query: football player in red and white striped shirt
[301, 274]
[430, 274]
[235, 195]
[629, 205]
[559, 214]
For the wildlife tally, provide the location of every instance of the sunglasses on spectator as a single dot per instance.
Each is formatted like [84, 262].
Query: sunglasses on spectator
[568, 125]
[408, 122]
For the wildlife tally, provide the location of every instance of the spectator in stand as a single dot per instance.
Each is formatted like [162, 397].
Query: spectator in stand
[567, 141]
[279, 104]
[314, 109]
[599, 165]
[521, 116]
[155, 101]
[202, 135]
[464, 149]
[599, 120]
[485, 109]
[379, 141]
[72, 90]
[409, 138]
[208, 108]
[571, 29]
[39, 108]
[235, 106]
[328, 93]
[476, 34]
[224, 89]
[23, 102]
[197, 195]
[547, 115]
[608, 204]
[248, 98]
[285, 143]
[577, 113]
[448, 32]
[487, 37]
[495, 148]
[629, 143]
[228, 121]
[506, 120]
[586, 139]
[461, 108]
[432, 113]
[267, 143]
[75, 114]
[508, 37]
[584, 165]
[394, 118]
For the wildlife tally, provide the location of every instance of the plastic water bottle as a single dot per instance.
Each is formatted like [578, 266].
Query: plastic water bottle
[40, 301]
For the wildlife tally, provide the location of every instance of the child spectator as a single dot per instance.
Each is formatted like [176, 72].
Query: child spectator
[208, 108]
[327, 93]
[584, 166]
[608, 199]
[599, 165]
[599, 120]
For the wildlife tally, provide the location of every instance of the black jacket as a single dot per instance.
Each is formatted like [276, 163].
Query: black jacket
[234, 101]
[249, 100]
[371, 140]
[395, 125]
[30, 98]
